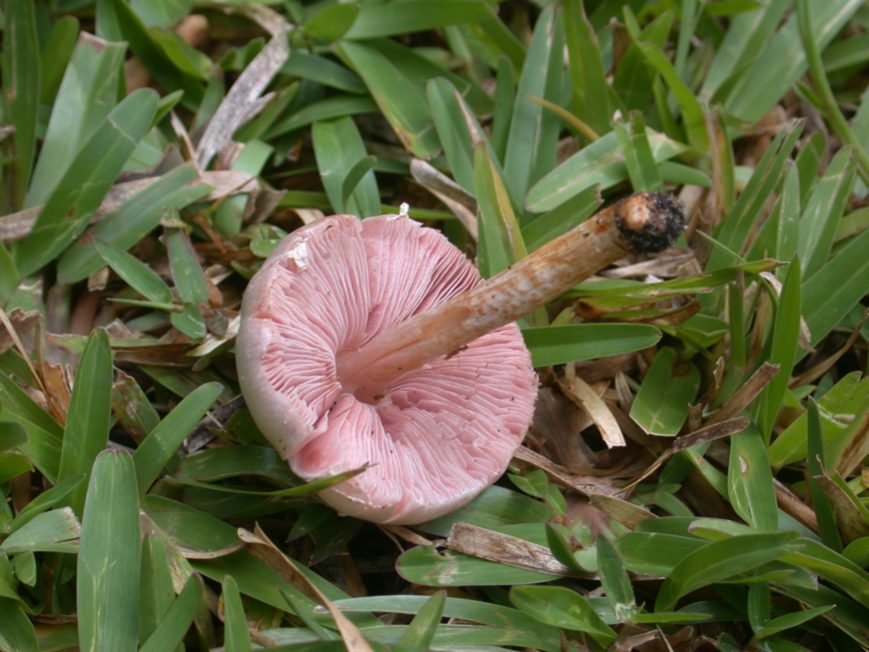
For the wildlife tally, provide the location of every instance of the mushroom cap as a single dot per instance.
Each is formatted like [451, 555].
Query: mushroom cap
[439, 434]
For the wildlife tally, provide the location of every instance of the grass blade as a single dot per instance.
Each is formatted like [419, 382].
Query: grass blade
[422, 628]
[157, 589]
[551, 345]
[376, 20]
[823, 212]
[669, 388]
[53, 531]
[338, 148]
[615, 581]
[87, 94]
[781, 60]
[831, 292]
[499, 239]
[721, 560]
[186, 271]
[133, 219]
[600, 163]
[135, 273]
[16, 631]
[640, 161]
[590, 89]
[394, 92]
[107, 587]
[783, 343]
[451, 117]
[749, 481]
[692, 113]
[160, 445]
[533, 131]
[21, 83]
[176, 621]
[750, 32]
[236, 636]
[734, 231]
[81, 189]
[815, 467]
[562, 607]
[87, 427]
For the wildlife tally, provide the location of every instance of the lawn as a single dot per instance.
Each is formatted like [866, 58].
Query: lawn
[694, 476]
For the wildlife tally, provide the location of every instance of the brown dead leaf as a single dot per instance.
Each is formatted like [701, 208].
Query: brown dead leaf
[746, 393]
[587, 485]
[505, 549]
[850, 515]
[244, 99]
[576, 389]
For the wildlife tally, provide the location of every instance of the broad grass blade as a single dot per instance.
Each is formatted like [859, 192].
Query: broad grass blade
[163, 441]
[376, 20]
[500, 241]
[395, 95]
[107, 586]
[832, 291]
[87, 94]
[533, 130]
[783, 349]
[177, 619]
[87, 426]
[16, 631]
[157, 591]
[823, 211]
[551, 345]
[57, 530]
[338, 148]
[721, 560]
[422, 628]
[600, 163]
[562, 607]
[749, 481]
[669, 388]
[21, 79]
[590, 89]
[236, 637]
[782, 60]
[134, 219]
[734, 231]
[642, 168]
[135, 273]
[81, 189]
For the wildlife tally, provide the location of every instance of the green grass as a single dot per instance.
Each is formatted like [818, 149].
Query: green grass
[144, 177]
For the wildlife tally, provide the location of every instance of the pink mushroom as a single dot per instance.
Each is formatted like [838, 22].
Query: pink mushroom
[374, 343]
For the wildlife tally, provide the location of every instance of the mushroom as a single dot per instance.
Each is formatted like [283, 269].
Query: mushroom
[374, 343]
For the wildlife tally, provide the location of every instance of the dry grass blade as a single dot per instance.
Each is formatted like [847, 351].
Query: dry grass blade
[746, 393]
[585, 485]
[580, 392]
[710, 432]
[16, 226]
[456, 198]
[505, 549]
[791, 504]
[262, 547]
[12, 334]
[813, 373]
[243, 100]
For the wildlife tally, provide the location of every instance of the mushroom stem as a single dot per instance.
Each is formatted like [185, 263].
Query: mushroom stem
[641, 223]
